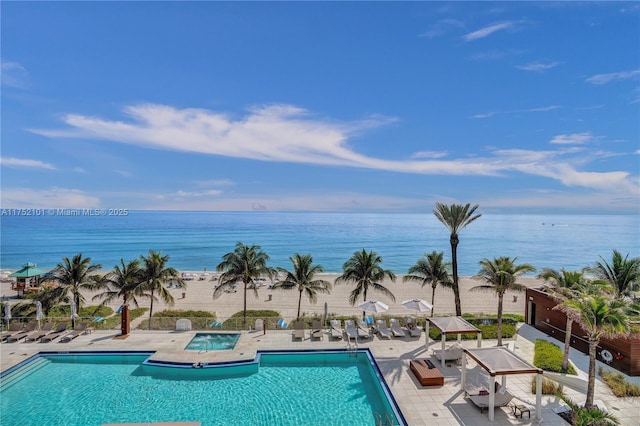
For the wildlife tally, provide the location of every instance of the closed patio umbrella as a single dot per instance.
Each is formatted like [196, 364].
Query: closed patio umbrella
[7, 312]
[74, 314]
[39, 314]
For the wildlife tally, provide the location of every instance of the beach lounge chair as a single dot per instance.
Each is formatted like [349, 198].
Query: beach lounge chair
[451, 352]
[351, 329]
[364, 330]
[383, 330]
[59, 331]
[412, 328]
[298, 332]
[396, 329]
[36, 335]
[22, 333]
[426, 372]
[14, 328]
[80, 329]
[336, 329]
[316, 332]
[501, 399]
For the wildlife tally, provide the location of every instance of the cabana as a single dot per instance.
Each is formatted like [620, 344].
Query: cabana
[451, 325]
[26, 278]
[500, 361]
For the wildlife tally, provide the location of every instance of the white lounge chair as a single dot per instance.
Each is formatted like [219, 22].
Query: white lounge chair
[412, 328]
[383, 330]
[501, 399]
[336, 329]
[396, 329]
[451, 352]
[316, 330]
[352, 331]
[364, 330]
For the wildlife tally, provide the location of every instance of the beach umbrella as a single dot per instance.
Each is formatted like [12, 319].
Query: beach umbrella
[7, 312]
[418, 305]
[39, 315]
[74, 314]
[373, 306]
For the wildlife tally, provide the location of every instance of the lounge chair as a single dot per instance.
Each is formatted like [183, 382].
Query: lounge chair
[316, 332]
[501, 399]
[383, 330]
[412, 328]
[298, 332]
[36, 335]
[59, 331]
[336, 329]
[80, 329]
[451, 353]
[14, 328]
[396, 329]
[22, 333]
[364, 330]
[352, 331]
[426, 372]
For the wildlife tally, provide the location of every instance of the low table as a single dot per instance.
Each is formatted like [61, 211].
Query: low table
[519, 410]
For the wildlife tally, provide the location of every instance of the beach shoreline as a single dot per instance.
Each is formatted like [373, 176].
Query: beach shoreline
[198, 295]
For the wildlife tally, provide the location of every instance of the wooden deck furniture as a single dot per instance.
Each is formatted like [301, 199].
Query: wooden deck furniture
[426, 373]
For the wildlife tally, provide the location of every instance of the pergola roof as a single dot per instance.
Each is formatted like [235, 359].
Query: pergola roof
[501, 361]
[453, 325]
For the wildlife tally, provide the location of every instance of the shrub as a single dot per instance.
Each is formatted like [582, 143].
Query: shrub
[185, 314]
[618, 385]
[549, 387]
[488, 332]
[549, 357]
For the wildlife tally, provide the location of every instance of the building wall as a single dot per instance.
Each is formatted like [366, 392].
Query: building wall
[540, 313]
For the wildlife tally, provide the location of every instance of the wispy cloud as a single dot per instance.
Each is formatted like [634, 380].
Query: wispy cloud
[284, 133]
[13, 75]
[487, 31]
[25, 163]
[47, 198]
[493, 55]
[517, 111]
[572, 139]
[441, 28]
[538, 66]
[613, 76]
[428, 154]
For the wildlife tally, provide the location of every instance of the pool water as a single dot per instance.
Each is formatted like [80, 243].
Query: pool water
[213, 342]
[284, 389]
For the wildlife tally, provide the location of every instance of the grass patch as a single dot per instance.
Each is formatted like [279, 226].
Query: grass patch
[549, 357]
[618, 385]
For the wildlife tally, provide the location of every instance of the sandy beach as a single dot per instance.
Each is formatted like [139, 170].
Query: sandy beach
[199, 296]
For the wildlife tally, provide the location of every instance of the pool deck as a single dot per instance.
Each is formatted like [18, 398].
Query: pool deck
[442, 405]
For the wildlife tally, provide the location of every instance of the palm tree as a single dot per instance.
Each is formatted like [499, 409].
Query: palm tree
[430, 269]
[501, 274]
[364, 270]
[155, 274]
[599, 316]
[244, 264]
[76, 275]
[623, 273]
[303, 279]
[564, 285]
[455, 217]
[124, 281]
[50, 297]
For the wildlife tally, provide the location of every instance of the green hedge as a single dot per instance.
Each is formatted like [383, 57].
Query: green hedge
[549, 356]
[166, 320]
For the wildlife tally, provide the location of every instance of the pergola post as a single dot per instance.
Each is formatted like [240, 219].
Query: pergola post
[426, 336]
[479, 339]
[444, 344]
[464, 372]
[538, 396]
[492, 397]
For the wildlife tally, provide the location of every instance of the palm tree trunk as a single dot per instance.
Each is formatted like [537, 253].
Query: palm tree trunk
[244, 315]
[500, 299]
[454, 264]
[299, 301]
[567, 345]
[591, 384]
[151, 310]
[433, 296]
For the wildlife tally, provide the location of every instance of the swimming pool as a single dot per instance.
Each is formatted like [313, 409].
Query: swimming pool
[308, 388]
[213, 342]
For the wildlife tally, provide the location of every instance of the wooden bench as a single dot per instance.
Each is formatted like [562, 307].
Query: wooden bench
[426, 373]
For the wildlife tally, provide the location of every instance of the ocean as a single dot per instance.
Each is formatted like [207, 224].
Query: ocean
[196, 241]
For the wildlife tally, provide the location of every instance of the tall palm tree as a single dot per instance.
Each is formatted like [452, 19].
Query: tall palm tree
[564, 285]
[622, 273]
[155, 274]
[303, 279]
[124, 281]
[50, 297]
[501, 274]
[76, 275]
[599, 316]
[364, 270]
[244, 264]
[432, 270]
[455, 217]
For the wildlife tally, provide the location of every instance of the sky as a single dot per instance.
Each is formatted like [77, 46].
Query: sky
[321, 106]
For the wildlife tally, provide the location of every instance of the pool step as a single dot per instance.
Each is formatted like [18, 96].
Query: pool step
[22, 372]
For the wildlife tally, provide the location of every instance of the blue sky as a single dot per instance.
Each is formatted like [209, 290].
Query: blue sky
[518, 107]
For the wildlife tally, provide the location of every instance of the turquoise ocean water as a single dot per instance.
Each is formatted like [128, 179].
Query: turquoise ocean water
[198, 240]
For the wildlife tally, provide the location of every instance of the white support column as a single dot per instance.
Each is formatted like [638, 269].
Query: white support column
[538, 396]
[426, 336]
[464, 372]
[479, 340]
[492, 397]
[444, 345]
